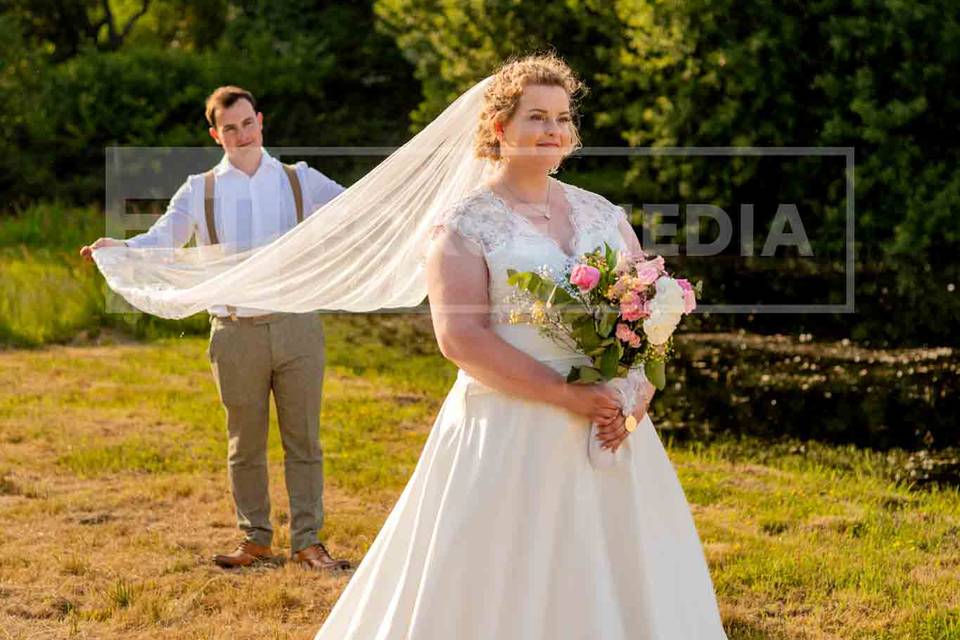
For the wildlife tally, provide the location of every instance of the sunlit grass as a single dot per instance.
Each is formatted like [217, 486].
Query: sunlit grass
[113, 463]
[113, 490]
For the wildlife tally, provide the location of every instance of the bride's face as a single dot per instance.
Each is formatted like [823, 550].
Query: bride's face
[540, 133]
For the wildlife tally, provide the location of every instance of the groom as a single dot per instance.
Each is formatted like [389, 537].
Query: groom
[246, 200]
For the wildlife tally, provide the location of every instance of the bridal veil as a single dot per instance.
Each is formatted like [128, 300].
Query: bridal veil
[362, 251]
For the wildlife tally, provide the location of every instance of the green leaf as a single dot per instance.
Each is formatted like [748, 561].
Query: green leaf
[610, 255]
[521, 279]
[607, 322]
[560, 296]
[584, 374]
[655, 371]
[570, 314]
[540, 288]
[609, 362]
[544, 289]
[585, 333]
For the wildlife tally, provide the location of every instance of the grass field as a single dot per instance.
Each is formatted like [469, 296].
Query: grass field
[113, 496]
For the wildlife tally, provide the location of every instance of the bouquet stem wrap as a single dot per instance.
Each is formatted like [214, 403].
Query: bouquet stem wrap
[628, 388]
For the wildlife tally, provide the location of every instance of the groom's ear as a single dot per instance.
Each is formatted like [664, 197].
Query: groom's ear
[213, 134]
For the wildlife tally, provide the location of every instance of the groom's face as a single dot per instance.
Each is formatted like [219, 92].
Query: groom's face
[239, 130]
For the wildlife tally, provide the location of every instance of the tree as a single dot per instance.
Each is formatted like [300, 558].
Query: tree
[63, 28]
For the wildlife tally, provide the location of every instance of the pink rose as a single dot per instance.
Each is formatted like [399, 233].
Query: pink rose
[684, 284]
[648, 273]
[627, 335]
[633, 307]
[584, 277]
[658, 261]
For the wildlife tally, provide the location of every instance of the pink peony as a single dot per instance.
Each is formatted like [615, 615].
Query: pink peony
[584, 277]
[648, 273]
[689, 296]
[627, 335]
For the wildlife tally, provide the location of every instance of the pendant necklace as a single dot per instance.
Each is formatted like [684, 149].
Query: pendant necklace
[545, 212]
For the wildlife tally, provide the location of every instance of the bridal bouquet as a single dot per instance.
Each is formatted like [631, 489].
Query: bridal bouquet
[620, 310]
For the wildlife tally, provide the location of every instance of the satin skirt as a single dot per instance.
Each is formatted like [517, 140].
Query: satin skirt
[505, 531]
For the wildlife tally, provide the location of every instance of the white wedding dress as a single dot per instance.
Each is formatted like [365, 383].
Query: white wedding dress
[505, 531]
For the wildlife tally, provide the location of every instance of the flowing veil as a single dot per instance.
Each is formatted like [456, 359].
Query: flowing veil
[362, 251]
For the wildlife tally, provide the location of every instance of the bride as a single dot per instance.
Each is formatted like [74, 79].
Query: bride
[505, 531]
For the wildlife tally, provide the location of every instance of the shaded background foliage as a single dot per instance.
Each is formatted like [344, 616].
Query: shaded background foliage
[875, 75]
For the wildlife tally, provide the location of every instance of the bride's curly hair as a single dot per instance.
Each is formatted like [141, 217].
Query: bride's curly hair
[501, 98]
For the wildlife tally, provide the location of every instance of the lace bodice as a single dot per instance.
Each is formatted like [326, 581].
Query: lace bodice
[511, 241]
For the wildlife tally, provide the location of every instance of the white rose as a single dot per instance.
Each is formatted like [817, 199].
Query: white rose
[669, 297]
[666, 308]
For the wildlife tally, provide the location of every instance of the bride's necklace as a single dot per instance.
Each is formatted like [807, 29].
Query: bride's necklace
[544, 212]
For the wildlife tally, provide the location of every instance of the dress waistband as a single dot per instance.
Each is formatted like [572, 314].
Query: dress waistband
[560, 365]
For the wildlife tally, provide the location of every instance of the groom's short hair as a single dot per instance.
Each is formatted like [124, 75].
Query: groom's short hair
[224, 98]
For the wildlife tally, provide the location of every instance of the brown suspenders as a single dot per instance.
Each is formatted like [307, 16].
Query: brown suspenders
[209, 189]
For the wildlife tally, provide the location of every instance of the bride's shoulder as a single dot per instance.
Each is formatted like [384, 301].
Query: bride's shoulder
[601, 207]
[476, 205]
[476, 217]
[588, 197]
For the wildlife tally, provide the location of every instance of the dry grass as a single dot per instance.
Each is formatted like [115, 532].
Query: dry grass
[113, 497]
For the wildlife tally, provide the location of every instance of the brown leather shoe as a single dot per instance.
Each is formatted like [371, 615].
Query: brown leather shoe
[316, 557]
[247, 554]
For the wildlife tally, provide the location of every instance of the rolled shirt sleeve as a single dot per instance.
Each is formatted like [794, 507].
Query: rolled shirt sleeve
[318, 188]
[174, 228]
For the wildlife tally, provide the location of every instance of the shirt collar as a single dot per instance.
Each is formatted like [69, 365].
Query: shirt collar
[225, 166]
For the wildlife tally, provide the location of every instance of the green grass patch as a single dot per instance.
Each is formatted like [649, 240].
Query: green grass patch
[804, 539]
[45, 298]
[52, 226]
[136, 455]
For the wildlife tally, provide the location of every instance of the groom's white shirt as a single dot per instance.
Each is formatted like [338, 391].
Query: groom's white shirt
[250, 210]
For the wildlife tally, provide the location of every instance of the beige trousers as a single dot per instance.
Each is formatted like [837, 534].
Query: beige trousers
[250, 357]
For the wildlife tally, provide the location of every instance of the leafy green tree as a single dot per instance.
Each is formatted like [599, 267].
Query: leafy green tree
[452, 45]
[62, 28]
[323, 76]
[875, 75]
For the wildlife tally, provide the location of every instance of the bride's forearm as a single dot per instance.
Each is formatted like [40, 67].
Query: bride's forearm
[497, 364]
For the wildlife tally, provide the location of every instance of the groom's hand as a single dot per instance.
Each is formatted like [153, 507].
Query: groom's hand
[87, 252]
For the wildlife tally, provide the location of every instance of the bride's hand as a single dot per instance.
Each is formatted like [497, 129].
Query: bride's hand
[613, 434]
[598, 402]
